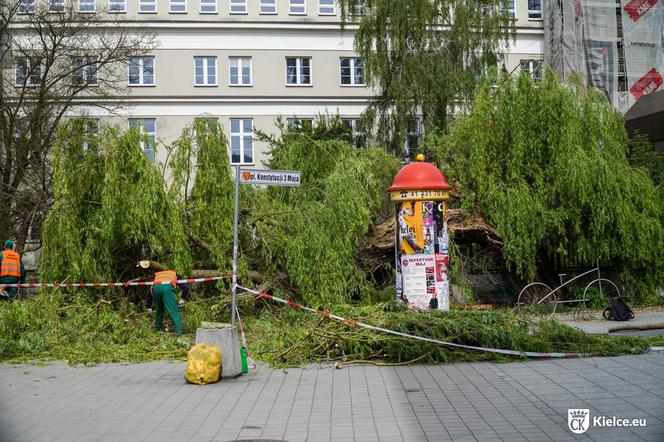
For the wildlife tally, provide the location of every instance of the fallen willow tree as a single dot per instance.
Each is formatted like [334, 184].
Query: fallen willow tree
[545, 163]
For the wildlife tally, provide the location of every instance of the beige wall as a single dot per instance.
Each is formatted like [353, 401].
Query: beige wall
[174, 74]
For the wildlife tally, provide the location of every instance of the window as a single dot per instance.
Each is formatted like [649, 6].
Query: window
[208, 7]
[242, 144]
[326, 7]
[117, 6]
[56, 5]
[268, 7]
[84, 70]
[90, 133]
[298, 71]
[414, 133]
[26, 6]
[358, 139]
[510, 6]
[358, 8]
[141, 71]
[238, 6]
[178, 7]
[298, 124]
[533, 67]
[86, 6]
[148, 128]
[21, 129]
[28, 72]
[205, 71]
[147, 6]
[534, 9]
[240, 71]
[352, 72]
[297, 7]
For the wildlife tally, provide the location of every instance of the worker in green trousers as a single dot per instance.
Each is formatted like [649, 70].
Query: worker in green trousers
[162, 294]
[12, 270]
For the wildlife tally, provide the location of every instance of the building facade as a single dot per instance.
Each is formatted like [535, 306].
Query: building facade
[249, 62]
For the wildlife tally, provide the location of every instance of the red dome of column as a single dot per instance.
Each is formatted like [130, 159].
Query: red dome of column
[419, 175]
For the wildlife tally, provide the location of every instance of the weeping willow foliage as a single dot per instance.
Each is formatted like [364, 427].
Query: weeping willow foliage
[423, 55]
[110, 209]
[313, 233]
[546, 163]
[200, 157]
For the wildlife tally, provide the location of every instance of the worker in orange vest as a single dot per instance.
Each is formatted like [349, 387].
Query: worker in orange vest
[164, 296]
[12, 270]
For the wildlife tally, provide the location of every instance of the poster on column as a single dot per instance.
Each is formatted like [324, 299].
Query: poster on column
[422, 255]
[643, 34]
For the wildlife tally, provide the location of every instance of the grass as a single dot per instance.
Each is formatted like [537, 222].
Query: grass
[59, 327]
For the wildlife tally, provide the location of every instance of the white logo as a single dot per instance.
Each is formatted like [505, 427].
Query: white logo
[578, 420]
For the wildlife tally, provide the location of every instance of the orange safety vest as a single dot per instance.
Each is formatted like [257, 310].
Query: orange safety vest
[11, 264]
[166, 275]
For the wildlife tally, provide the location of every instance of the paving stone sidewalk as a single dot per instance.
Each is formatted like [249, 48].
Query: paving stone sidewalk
[464, 401]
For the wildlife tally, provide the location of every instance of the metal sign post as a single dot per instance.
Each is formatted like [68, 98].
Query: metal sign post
[288, 178]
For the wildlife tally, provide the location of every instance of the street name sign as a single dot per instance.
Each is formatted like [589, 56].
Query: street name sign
[290, 178]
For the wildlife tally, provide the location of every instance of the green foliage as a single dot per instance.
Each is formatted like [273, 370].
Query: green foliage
[58, 327]
[545, 163]
[309, 339]
[423, 55]
[110, 210]
[200, 157]
[641, 154]
[312, 233]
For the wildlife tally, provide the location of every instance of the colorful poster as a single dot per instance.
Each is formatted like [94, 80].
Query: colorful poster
[411, 231]
[422, 255]
[419, 283]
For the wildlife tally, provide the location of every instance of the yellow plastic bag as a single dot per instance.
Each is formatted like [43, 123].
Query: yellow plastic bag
[203, 364]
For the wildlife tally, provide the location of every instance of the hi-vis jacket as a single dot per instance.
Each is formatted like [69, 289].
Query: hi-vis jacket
[11, 264]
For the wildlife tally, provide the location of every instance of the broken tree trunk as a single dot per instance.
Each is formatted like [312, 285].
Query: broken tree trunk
[379, 248]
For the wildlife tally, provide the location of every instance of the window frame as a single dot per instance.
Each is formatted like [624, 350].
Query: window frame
[240, 66]
[241, 135]
[206, 66]
[30, 72]
[294, 122]
[243, 4]
[172, 2]
[213, 2]
[26, 7]
[90, 131]
[141, 69]
[505, 7]
[59, 3]
[535, 67]
[334, 8]
[88, 70]
[117, 11]
[87, 3]
[261, 5]
[539, 11]
[358, 138]
[155, 3]
[352, 72]
[291, 5]
[298, 75]
[141, 124]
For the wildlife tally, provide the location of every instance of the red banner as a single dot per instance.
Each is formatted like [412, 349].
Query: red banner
[647, 84]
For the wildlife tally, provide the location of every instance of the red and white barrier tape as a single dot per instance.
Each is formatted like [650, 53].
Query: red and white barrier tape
[530, 354]
[114, 284]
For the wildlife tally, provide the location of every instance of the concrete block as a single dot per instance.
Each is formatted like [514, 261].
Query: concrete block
[227, 339]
